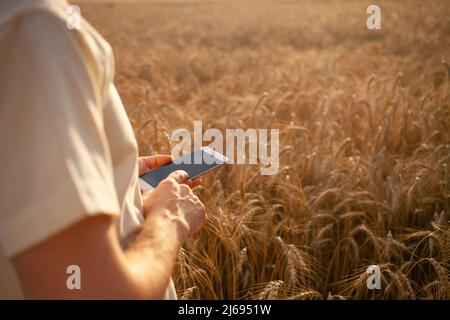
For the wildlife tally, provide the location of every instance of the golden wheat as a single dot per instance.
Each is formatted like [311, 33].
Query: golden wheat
[364, 120]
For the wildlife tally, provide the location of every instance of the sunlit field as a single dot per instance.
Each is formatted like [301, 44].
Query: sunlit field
[364, 120]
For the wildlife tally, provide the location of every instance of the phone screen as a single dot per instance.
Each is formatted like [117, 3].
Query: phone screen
[195, 164]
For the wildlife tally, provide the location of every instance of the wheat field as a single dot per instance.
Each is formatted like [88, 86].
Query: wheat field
[364, 122]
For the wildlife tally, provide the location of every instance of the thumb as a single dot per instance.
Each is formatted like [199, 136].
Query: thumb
[180, 176]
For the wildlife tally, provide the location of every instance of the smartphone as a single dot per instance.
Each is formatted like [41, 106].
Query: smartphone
[195, 164]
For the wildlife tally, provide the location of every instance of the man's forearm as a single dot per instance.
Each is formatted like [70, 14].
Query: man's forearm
[107, 272]
[152, 254]
[142, 271]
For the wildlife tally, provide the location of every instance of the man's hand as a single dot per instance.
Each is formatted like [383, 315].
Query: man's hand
[151, 162]
[142, 271]
[174, 201]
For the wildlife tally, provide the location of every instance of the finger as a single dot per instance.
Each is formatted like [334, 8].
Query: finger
[179, 176]
[196, 182]
[203, 221]
[189, 182]
[155, 161]
[185, 190]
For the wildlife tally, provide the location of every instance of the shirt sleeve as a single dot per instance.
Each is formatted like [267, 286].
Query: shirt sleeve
[55, 162]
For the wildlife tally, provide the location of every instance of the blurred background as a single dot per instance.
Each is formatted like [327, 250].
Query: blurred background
[364, 138]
